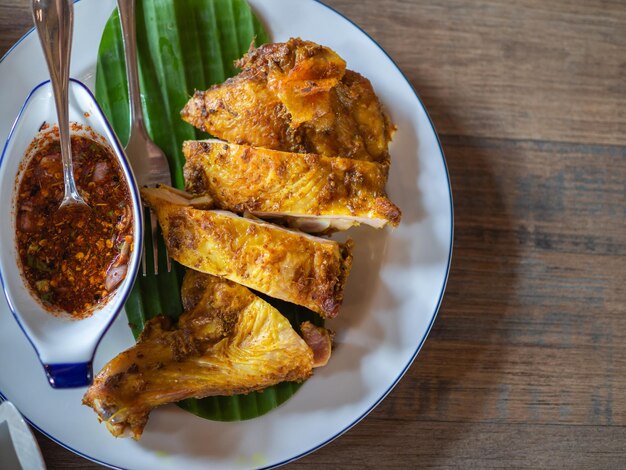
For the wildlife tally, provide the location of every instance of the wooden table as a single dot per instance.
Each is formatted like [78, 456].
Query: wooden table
[526, 364]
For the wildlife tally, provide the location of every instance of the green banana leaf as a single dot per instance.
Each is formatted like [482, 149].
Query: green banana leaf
[183, 45]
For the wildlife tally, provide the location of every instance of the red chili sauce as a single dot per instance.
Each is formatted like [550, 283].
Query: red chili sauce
[74, 260]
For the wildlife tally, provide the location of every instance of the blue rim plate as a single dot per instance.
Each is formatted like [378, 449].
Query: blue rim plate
[392, 297]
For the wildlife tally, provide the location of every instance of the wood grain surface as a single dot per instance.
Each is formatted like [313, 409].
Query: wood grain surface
[526, 364]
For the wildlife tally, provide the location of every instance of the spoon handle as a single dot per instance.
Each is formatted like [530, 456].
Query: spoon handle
[54, 21]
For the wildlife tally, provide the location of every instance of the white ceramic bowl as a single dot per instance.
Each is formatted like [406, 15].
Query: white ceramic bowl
[65, 346]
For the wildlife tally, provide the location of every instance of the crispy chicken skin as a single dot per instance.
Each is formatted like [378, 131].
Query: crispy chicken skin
[281, 263]
[337, 193]
[296, 96]
[228, 341]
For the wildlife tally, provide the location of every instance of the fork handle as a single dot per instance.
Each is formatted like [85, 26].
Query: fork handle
[126, 10]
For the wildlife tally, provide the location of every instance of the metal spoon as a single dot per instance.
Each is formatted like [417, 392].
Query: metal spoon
[54, 22]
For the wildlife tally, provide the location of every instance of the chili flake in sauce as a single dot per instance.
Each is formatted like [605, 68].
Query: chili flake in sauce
[74, 260]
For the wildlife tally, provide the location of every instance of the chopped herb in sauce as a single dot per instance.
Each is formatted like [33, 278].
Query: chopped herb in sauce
[73, 260]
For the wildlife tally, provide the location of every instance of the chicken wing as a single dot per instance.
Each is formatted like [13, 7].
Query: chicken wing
[313, 192]
[227, 342]
[295, 97]
[281, 263]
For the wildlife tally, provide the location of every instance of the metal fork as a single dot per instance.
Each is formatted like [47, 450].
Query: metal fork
[147, 159]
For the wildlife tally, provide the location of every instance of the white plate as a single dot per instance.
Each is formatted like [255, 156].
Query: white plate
[392, 297]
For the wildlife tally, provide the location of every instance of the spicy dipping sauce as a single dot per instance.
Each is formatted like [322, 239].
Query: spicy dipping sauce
[73, 259]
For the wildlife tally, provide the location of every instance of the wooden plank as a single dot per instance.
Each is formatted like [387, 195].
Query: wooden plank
[527, 69]
[532, 327]
[443, 445]
[15, 20]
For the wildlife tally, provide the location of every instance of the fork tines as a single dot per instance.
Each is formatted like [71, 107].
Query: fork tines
[153, 245]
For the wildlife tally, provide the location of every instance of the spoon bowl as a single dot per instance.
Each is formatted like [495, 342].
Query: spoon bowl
[54, 22]
[65, 346]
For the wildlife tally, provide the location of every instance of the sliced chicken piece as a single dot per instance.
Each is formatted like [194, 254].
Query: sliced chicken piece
[335, 192]
[279, 262]
[227, 342]
[295, 97]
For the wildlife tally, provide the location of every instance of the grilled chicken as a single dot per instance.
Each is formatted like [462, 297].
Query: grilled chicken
[281, 263]
[295, 97]
[314, 193]
[227, 342]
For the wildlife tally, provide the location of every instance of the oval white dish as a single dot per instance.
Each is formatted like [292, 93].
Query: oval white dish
[392, 297]
[65, 346]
